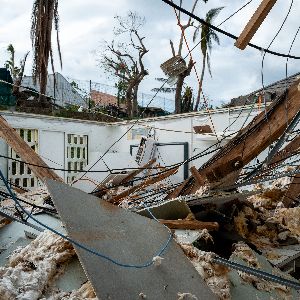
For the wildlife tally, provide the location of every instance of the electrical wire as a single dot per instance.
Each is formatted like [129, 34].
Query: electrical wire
[228, 18]
[82, 246]
[228, 34]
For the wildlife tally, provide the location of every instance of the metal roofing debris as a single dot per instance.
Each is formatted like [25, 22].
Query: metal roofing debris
[129, 238]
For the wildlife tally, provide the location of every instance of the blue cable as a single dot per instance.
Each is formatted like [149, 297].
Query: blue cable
[92, 251]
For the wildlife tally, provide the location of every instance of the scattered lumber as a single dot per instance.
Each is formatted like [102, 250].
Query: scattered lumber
[102, 189]
[254, 23]
[135, 173]
[198, 178]
[117, 199]
[190, 224]
[13, 139]
[224, 167]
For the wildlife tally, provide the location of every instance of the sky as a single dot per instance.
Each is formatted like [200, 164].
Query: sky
[84, 25]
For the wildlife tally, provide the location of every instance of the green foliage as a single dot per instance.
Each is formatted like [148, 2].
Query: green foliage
[10, 64]
[187, 100]
[208, 35]
[72, 107]
[122, 86]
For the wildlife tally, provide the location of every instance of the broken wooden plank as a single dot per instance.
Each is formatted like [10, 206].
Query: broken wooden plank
[198, 178]
[117, 199]
[128, 238]
[254, 23]
[102, 189]
[224, 167]
[190, 224]
[28, 155]
[136, 172]
[203, 129]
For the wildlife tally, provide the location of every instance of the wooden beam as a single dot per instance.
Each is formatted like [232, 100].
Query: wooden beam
[102, 189]
[224, 167]
[190, 224]
[28, 155]
[136, 172]
[198, 178]
[117, 199]
[254, 23]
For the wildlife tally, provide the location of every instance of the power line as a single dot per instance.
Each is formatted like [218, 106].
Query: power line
[228, 18]
[228, 34]
[82, 246]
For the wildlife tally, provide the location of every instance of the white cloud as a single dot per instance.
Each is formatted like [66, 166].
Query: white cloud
[83, 24]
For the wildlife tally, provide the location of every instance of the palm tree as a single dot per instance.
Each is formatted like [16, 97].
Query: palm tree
[44, 14]
[208, 36]
[10, 64]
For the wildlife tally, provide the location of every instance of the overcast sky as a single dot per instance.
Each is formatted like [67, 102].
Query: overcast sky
[84, 24]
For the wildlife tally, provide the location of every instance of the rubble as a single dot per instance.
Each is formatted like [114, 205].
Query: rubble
[129, 218]
[32, 269]
[214, 275]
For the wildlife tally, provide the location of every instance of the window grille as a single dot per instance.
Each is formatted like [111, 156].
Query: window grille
[77, 154]
[18, 172]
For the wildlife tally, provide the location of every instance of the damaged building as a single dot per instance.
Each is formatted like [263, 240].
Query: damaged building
[197, 205]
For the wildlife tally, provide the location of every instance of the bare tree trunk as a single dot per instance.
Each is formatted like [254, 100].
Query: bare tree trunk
[129, 101]
[43, 84]
[135, 101]
[200, 83]
[16, 87]
[179, 85]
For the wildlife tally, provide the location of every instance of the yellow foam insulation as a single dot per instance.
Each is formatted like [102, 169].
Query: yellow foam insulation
[86, 292]
[31, 269]
[240, 224]
[289, 218]
[214, 275]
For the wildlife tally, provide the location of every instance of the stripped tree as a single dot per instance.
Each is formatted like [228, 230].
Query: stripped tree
[181, 77]
[16, 72]
[208, 36]
[10, 64]
[44, 14]
[125, 60]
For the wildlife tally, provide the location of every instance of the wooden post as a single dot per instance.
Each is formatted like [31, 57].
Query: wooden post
[28, 155]
[254, 23]
[190, 224]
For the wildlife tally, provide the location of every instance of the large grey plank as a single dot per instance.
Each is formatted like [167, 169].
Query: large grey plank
[128, 238]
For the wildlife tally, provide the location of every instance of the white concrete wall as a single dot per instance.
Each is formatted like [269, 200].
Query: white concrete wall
[52, 134]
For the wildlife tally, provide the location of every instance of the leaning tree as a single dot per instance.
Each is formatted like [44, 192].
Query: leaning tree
[44, 15]
[123, 57]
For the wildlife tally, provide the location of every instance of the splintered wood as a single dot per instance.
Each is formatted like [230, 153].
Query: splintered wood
[28, 155]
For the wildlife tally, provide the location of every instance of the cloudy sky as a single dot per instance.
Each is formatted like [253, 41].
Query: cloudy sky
[84, 24]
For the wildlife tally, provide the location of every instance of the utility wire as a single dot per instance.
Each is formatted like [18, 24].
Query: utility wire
[82, 246]
[228, 34]
[228, 18]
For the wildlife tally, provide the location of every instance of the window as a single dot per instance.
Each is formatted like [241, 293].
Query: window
[77, 149]
[19, 172]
